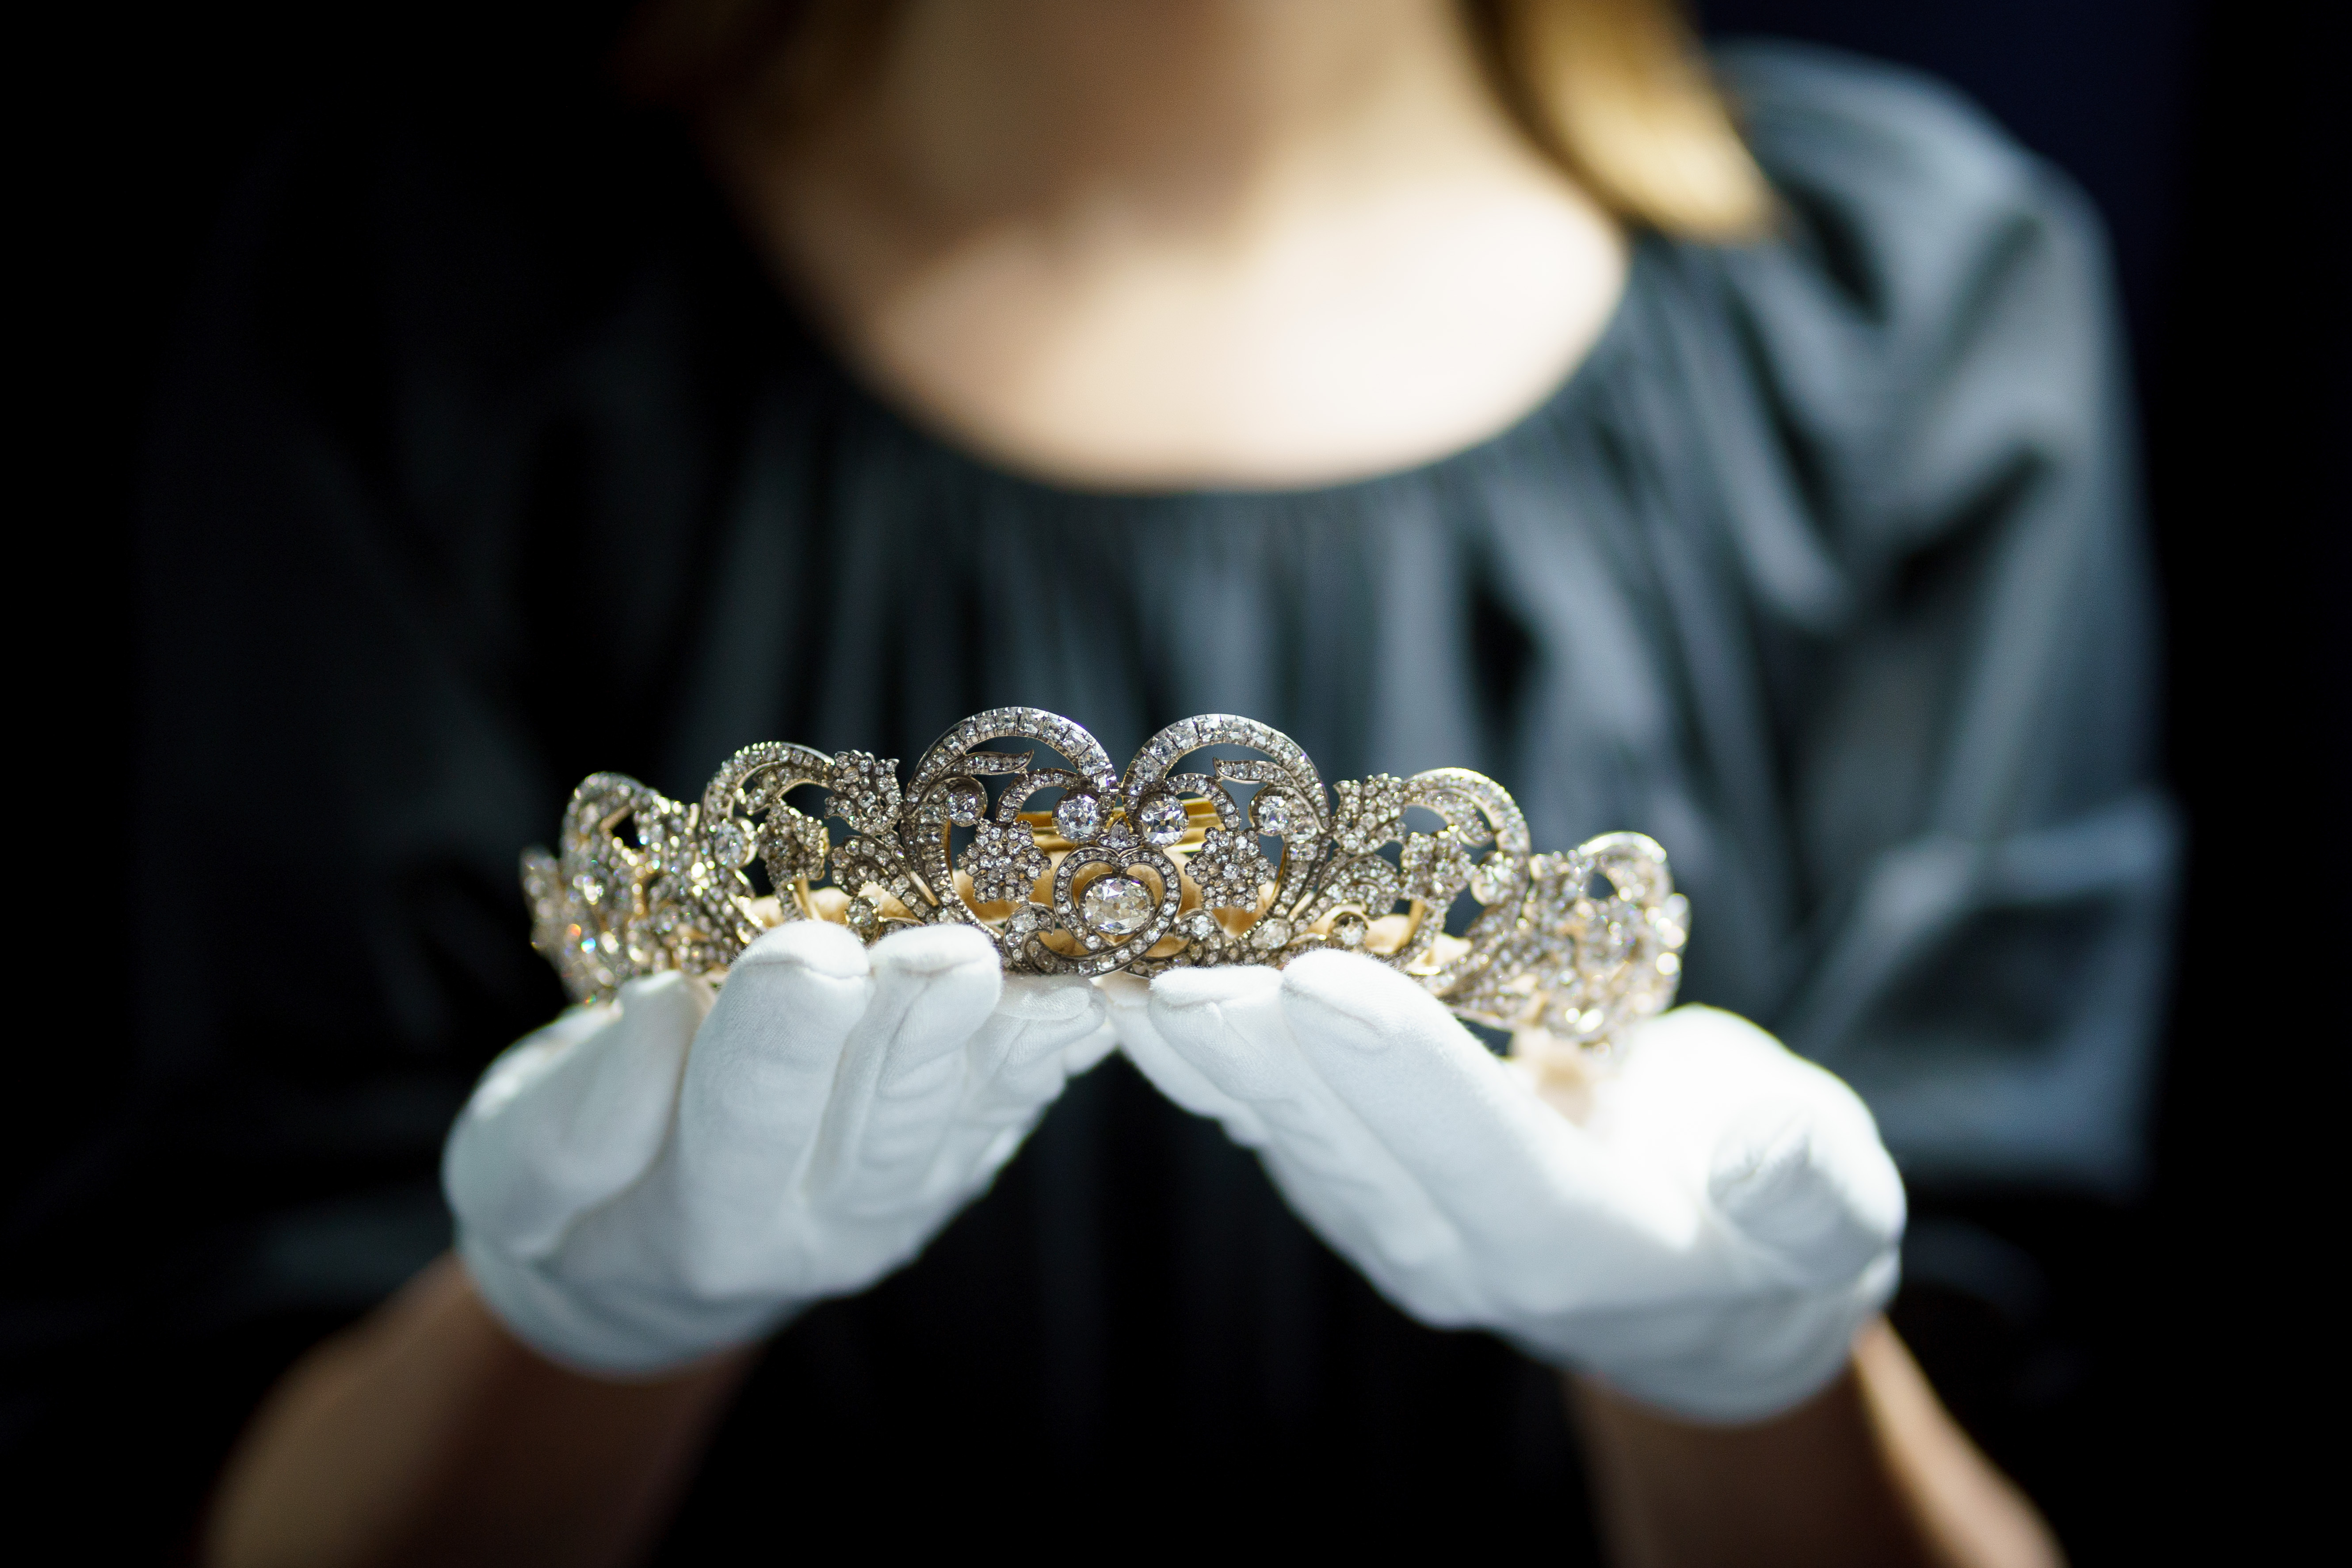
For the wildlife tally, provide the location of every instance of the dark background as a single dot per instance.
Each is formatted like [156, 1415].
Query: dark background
[2164, 1390]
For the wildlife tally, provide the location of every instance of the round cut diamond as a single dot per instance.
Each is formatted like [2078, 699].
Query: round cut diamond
[966, 803]
[1163, 819]
[1349, 929]
[1271, 811]
[1079, 817]
[731, 844]
[1117, 905]
[1200, 925]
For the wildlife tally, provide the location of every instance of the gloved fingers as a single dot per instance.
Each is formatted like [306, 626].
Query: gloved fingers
[1086, 1052]
[1128, 999]
[570, 1115]
[1824, 1203]
[1015, 1066]
[1226, 1024]
[902, 1069]
[1229, 1026]
[1555, 1215]
[1683, 1079]
[1788, 1156]
[759, 1077]
[1019, 1059]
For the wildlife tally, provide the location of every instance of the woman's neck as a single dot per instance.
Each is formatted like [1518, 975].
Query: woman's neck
[1182, 243]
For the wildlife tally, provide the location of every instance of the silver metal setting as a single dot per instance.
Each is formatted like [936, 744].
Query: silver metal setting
[1141, 871]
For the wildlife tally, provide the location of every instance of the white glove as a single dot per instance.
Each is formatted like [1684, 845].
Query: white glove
[1709, 1239]
[639, 1184]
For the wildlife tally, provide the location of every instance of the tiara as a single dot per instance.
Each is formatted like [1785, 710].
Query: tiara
[1144, 871]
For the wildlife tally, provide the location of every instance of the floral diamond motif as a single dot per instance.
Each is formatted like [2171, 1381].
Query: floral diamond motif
[865, 791]
[1003, 862]
[1434, 867]
[1369, 811]
[793, 845]
[1229, 870]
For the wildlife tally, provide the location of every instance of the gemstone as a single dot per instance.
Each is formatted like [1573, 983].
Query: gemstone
[1607, 943]
[1079, 817]
[1163, 819]
[1270, 933]
[1025, 919]
[1271, 812]
[966, 803]
[1117, 905]
[1349, 929]
[860, 914]
[731, 844]
[1490, 882]
[1200, 925]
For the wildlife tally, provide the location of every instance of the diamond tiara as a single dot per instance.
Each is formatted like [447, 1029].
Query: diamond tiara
[1143, 871]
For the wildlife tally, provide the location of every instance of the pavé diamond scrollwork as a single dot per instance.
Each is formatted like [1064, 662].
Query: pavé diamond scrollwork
[1142, 872]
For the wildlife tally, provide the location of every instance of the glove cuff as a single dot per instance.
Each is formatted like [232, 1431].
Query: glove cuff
[609, 1339]
[1758, 1369]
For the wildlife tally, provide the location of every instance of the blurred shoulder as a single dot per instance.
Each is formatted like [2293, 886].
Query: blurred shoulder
[1815, 114]
[1897, 190]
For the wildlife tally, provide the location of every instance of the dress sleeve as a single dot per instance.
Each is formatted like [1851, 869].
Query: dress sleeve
[1970, 749]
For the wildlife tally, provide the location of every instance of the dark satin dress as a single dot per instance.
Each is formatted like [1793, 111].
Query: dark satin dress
[492, 459]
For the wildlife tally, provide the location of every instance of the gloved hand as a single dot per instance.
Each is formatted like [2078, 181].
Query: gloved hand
[1709, 1239]
[643, 1183]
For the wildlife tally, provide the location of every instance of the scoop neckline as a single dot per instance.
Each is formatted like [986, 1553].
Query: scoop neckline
[1606, 345]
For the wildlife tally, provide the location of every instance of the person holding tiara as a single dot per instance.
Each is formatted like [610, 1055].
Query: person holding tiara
[1731, 450]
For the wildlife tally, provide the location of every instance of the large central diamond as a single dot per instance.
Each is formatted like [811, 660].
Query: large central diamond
[1117, 906]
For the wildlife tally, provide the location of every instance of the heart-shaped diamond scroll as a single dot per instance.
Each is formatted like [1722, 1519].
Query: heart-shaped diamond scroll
[1141, 871]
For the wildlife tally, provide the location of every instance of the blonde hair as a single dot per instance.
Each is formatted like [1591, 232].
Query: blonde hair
[1617, 91]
